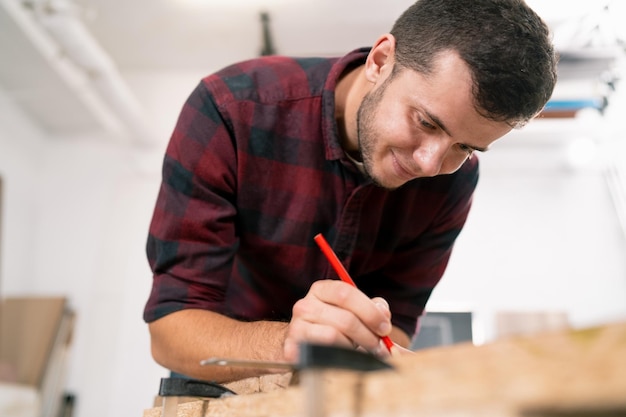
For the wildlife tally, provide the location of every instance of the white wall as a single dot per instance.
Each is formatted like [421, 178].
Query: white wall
[544, 234]
[21, 148]
[76, 213]
[94, 215]
[540, 236]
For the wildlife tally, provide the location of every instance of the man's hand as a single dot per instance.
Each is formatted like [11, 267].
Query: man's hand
[334, 312]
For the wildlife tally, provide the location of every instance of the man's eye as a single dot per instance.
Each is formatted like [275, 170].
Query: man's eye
[466, 149]
[427, 125]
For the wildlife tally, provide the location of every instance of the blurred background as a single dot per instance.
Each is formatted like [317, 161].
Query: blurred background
[89, 94]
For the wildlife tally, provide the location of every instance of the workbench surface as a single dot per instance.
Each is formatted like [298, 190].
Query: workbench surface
[567, 373]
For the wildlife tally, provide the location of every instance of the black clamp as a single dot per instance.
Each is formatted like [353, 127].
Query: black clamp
[183, 387]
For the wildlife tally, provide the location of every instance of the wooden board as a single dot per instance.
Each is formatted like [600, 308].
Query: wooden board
[569, 373]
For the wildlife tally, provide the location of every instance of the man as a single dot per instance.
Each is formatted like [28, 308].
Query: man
[373, 150]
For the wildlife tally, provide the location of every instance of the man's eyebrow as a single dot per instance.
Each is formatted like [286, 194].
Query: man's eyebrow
[439, 123]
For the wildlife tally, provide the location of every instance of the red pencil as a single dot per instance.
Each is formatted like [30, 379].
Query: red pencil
[343, 274]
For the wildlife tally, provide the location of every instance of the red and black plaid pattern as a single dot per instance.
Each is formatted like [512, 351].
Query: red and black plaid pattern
[254, 170]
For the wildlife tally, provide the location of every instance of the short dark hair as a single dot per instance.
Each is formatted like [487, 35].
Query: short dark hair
[506, 45]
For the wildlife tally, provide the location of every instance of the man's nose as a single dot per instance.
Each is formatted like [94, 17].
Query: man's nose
[429, 156]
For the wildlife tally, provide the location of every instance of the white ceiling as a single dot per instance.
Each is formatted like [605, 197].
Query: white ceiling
[144, 34]
[66, 89]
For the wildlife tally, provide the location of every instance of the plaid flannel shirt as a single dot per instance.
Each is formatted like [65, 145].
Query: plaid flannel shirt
[254, 170]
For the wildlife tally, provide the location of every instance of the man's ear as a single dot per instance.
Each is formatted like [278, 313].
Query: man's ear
[381, 58]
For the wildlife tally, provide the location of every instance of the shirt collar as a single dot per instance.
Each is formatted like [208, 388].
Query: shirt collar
[329, 128]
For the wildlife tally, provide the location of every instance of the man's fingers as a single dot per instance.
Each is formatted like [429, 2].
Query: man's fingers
[371, 312]
[382, 305]
[316, 321]
[334, 312]
[301, 330]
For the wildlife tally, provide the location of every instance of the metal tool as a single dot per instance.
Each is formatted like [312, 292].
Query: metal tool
[313, 356]
[248, 363]
[312, 361]
[173, 388]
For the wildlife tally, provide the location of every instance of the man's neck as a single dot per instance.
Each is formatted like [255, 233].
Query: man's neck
[348, 96]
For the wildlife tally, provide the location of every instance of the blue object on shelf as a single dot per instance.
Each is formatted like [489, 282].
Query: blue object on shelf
[568, 105]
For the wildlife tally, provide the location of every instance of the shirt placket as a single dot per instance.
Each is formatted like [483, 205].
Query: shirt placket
[348, 226]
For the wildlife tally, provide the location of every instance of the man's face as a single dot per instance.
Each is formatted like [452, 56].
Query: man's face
[414, 125]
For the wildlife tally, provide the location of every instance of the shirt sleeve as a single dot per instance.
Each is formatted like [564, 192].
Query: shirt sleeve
[192, 239]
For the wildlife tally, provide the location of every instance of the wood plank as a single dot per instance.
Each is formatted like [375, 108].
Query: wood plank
[574, 370]
[557, 373]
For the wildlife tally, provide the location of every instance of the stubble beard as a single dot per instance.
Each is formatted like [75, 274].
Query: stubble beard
[366, 131]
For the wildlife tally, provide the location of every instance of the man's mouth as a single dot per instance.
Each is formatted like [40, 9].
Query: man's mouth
[401, 171]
